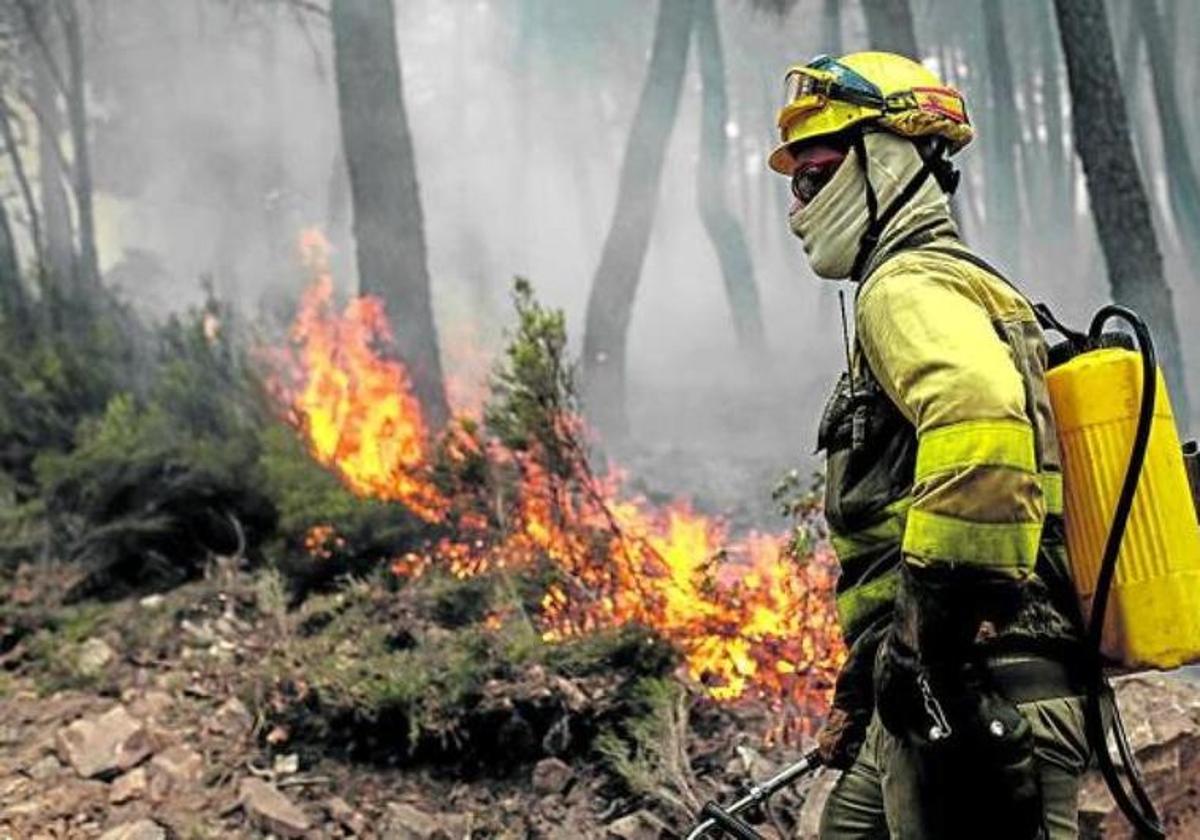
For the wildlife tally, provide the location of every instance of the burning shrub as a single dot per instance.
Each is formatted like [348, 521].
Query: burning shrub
[355, 533]
[746, 619]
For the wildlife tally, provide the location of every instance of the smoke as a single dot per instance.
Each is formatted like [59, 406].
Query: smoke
[216, 142]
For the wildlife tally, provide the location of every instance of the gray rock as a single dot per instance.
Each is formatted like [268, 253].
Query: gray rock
[343, 814]
[286, 765]
[180, 763]
[151, 704]
[130, 786]
[640, 825]
[104, 745]
[93, 657]
[552, 775]
[233, 718]
[139, 830]
[406, 822]
[271, 810]
[44, 768]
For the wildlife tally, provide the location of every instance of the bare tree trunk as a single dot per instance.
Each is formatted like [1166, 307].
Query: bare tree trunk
[890, 27]
[59, 259]
[1061, 188]
[723, 228]
[1137, 110]
[1183, 186]
[388, 222]
[12, 293]
[1003, 201]
[831, 27]
[89, 263]
[21, 174]
[1118, 198]
[614, 287]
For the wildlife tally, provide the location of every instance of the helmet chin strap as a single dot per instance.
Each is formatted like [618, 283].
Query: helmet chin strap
[934, 163]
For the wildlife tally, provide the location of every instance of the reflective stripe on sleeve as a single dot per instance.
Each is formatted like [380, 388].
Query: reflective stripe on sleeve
[1002, 443]
[936, 538]
[860, 603]
[888, 531]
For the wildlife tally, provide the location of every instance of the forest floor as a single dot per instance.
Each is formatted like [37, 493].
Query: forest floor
[174, 716]
[178, 715]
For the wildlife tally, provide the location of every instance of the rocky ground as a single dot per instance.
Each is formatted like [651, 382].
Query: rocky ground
[151, 718]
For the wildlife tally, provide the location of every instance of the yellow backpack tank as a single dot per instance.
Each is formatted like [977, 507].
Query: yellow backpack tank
[1152, 618]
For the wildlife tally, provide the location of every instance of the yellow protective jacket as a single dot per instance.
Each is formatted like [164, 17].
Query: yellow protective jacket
[941, 446]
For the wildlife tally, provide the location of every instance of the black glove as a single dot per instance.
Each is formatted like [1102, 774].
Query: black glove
[842, 735]
[972, 750]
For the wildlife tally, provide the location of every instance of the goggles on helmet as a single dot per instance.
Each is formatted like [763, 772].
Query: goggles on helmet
[829, 78]
[811, 88]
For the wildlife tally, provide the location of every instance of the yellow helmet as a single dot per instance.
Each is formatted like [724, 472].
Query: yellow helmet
[828, 96]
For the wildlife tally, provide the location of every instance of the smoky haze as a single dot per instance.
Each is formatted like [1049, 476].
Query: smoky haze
[216, 142]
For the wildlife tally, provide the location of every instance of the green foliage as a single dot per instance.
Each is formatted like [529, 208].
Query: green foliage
[649, 753]
[52, 651]
[164, 472]
[803, 506]
[306, 495]
[60, 374]
[533, 388]
[422, 659]
[368, 659]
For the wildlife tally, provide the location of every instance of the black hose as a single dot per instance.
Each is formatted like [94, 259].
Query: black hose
[1143, 815]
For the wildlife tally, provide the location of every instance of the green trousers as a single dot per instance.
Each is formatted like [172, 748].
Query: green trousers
[875, 799]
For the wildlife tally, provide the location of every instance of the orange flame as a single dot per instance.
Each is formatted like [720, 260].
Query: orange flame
[747, 620]
[356, 406]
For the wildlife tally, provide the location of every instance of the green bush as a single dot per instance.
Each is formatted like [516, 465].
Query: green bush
[164, 475]
[306, 495]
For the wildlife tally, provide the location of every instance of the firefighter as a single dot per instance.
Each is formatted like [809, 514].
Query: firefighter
[958, 713]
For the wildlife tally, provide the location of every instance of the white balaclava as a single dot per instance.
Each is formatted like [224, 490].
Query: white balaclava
[831, 226]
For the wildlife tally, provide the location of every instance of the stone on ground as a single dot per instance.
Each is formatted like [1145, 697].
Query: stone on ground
[271, 810]
[93, 657]
[180, 763]
[552, 775]
[639, 825]
[130, 786]
[139, 830]
[104, 745]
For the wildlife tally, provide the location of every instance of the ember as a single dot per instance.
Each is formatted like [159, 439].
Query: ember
[748, 620]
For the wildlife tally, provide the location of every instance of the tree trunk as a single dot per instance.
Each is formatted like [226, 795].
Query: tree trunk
[723, 228]
[12, 293]
[89, 263]
[1061, 188]
[20, 173]
[1183, 186]
[59, 259]
[890, 27]
[1118, 199]
[388, 224]
[1003, 201]
[610, 303]
[831, 27]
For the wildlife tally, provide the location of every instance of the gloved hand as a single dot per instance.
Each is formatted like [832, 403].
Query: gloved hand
[845, 728]
[971, 748]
